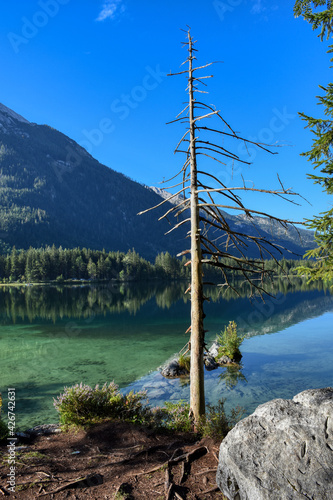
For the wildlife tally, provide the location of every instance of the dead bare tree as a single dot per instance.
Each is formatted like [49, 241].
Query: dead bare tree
[206, 216]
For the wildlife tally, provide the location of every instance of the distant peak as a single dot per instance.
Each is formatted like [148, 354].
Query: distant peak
[12, 114]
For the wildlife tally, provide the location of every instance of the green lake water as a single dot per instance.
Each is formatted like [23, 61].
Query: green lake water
[53, 337]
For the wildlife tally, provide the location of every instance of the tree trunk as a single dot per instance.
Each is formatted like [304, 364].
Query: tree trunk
[197, 390]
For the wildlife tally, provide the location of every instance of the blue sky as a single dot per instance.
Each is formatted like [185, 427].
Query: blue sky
[96, 71]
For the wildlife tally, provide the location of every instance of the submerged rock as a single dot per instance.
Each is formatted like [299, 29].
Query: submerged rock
[284, 450]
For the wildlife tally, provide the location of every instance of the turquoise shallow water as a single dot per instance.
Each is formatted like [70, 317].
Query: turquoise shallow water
[278, 365]
[51, 338]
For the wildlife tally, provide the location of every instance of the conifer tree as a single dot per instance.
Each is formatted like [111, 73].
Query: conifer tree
[321, 153]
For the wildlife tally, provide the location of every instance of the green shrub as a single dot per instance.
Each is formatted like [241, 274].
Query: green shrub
[216, 423]
[174, 416]
[82, 405]
[230, 342]
[184, 362]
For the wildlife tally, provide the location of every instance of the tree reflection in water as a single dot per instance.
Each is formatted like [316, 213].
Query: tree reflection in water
[86, 301]
[232, 375]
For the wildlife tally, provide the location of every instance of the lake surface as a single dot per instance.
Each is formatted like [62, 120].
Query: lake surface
[52, 337]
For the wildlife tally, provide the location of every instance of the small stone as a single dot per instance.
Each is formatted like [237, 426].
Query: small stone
[43, 430]
[22, 435]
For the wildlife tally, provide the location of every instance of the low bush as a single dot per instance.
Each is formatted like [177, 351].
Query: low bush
[216, 423]
[82, 405]
[230, 342]
[184, 362]
[174, 416]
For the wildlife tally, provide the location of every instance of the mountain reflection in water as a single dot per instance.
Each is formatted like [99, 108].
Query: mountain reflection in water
[56, 336]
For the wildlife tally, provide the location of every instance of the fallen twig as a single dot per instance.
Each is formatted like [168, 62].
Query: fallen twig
[81, 481]
[206, 471]
[42, 472]
[167, 482]
[72, 483]
[211, 490]
[154, 469]
[169, 492]
[185, 470]
[188, 457]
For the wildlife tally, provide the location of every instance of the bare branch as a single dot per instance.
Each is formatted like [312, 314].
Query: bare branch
[250, 211]
[235, 136]
[178, 225]
[162, 202]
[212, 157]
[212, 109]
[205, 116]
[186, 107]
[174, 208]
[202, 77]
[224, 154]
[244, 188]
[181, 140]
[178, 73]
[205, 65]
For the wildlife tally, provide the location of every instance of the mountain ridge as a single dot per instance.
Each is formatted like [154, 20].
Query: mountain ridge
[52, 191]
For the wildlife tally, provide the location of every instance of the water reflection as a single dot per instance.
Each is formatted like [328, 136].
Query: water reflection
[24, 303]
[51, 337]
[232, 375]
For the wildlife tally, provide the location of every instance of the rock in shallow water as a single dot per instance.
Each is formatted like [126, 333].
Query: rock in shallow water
[283, 451]
[210, 362]
[173, 370]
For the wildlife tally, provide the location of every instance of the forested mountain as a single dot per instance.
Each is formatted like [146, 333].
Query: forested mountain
[53, 192]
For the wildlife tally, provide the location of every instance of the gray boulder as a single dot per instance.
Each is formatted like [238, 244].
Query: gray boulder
[283, 451]
[210, 362]
[214, 350]
[173, 369]
[222, 360]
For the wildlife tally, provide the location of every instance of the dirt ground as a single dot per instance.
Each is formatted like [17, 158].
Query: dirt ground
[114, 460]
